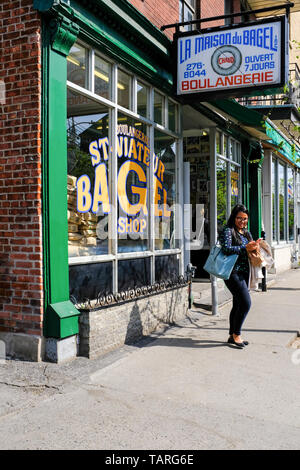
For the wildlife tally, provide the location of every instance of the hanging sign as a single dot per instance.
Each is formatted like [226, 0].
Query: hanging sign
[232, 61]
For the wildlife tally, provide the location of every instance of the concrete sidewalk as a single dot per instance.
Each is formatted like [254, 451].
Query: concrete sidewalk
[202, 293]
[183, 389]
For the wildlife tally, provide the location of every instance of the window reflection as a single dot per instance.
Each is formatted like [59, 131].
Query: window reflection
[290, 195]
[281, 201]
[234, 180]
[77, 65]
[164, 190]
[102, 74]
[172, 113]
[158, 108]
[124, 89]
[142, 99]
[133, 184]
[87, 122]
[221, 193]
[274, 200]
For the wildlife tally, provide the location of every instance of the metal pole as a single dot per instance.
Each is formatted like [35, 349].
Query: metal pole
[213, 213]
[190, 273]
[264, 271]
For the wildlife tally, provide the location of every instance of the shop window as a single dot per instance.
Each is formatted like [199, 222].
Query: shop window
[90, 281]
[197, 153]
[133, 273]
[172, 115]
[164, 190]
[124, 89]
[88, 176]
[158, 107]
[281, 178]
[228, 176]
[221, 193]
[166, 267]
[291, 200]
[274, 200]
[133, 154]
[77, 66]
[142, 99]
[238, 153]
[102, 73]
[283, 202]
[234, 151]
[218, 142]
[114, 176]
[231, 150]
[225, 148]
[234, 185]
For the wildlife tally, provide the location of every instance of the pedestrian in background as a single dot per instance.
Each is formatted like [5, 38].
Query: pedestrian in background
[236, 239]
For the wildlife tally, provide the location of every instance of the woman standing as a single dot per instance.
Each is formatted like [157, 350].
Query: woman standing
[235, 239]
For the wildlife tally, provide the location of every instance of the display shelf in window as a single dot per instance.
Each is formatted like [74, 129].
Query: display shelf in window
[81, 226]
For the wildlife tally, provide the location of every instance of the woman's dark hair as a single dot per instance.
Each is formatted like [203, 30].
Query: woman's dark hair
[231, 224]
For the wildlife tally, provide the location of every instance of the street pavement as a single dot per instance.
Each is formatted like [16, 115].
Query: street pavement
[183, 388]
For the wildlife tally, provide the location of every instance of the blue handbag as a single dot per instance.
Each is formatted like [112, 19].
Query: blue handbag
[218, 264]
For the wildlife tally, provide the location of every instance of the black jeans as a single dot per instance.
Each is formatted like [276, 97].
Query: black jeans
[241, 302]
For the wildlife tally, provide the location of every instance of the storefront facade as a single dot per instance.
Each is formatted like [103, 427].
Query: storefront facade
[114, 184]
[117, 160]
[279, 200]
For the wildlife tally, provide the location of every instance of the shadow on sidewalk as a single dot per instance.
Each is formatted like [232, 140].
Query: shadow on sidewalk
[188, 343]
[283, 288]
[213, 327]
[260, 330]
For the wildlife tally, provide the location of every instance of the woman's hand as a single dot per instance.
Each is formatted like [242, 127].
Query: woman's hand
[252, 246]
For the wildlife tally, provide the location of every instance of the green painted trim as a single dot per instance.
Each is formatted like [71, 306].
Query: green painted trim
[61, 317]
[222, 123]
[292, 153]
[62, 320]
[252, 118]
[241, 113]
[129, 17]
[64, 34]
[43, 5]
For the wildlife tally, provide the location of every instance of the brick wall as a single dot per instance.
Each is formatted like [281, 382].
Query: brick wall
[159, 12]
[20, 169]
[208, 9]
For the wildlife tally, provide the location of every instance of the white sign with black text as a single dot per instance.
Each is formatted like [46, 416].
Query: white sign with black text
[240, 57]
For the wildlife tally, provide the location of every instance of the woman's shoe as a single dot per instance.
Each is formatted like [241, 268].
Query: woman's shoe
[230, 340]
[239, 345]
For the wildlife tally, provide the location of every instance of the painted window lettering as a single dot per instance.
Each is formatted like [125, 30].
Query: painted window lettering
[133, 146]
